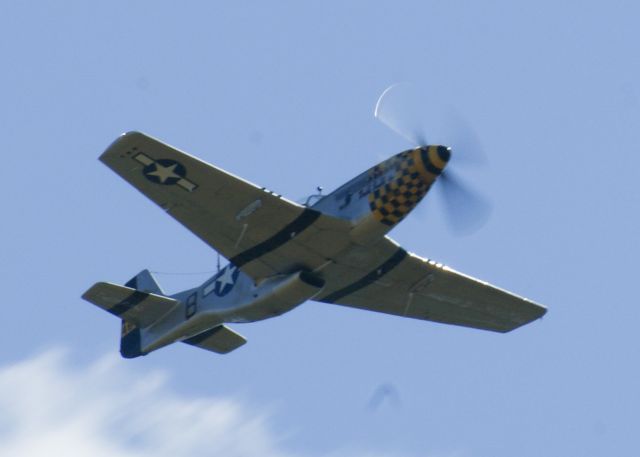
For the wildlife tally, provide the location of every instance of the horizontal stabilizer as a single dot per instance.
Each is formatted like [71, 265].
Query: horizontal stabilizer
[131, 305]
[220, 339]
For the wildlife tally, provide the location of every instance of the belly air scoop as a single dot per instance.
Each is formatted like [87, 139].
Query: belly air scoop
[275, 296]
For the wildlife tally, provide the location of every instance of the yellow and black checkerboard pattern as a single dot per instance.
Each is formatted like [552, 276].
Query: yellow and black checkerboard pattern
[391, 202]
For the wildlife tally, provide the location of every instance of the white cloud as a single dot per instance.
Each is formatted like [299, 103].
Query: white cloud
[48, 408]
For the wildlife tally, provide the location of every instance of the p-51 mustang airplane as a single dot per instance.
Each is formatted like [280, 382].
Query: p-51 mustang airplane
[281, 254]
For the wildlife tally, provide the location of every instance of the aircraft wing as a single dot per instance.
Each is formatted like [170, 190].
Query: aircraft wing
[258, 231]
[406, 285]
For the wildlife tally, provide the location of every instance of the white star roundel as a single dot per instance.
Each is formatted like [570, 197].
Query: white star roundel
[165, 171]
[226, 280]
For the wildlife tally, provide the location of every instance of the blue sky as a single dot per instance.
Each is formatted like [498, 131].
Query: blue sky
[283, 95]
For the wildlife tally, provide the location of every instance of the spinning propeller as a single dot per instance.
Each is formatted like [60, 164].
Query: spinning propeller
[401, 109]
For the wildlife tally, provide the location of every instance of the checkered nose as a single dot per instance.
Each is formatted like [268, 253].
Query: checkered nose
[415, 171]
[435, 158]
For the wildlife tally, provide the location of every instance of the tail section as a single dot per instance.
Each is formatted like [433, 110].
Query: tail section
[220, 339]
[130, 334]
[130, 340]
[151, 320]
[134, 306]
[139, 304]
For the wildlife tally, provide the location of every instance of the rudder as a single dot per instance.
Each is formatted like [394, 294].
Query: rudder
[130, 341]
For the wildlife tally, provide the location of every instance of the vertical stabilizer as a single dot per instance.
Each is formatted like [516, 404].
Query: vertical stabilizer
[130, 336]
[145, 282]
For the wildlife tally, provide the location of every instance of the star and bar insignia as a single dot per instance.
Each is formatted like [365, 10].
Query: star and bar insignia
[165, 171]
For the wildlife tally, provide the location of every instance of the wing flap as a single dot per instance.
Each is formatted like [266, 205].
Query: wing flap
[139, 308]
[220, 339]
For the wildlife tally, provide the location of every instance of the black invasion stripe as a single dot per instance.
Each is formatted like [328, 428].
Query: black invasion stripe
[300, 223]
[200, 337]
[128, 303]
[376, 274]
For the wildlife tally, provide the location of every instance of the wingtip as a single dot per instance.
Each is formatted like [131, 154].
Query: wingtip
[120, 141]
[131, 134]
[540, 311]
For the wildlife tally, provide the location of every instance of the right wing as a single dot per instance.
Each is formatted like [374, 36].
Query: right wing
[407, 285]
[260, 232]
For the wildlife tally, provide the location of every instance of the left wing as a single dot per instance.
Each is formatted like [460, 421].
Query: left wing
[407, 285]
[258, 231]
